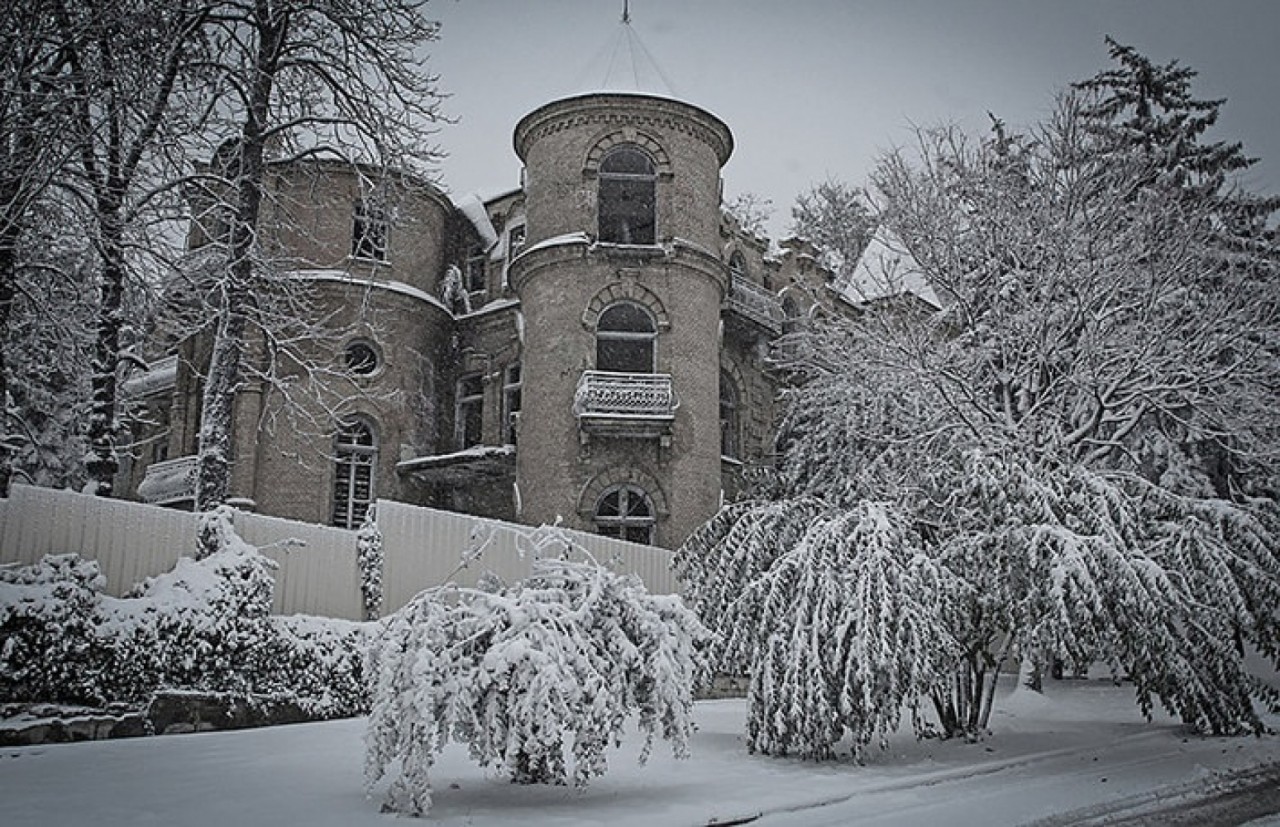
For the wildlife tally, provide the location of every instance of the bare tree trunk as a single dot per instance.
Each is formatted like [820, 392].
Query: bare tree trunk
[226, 367]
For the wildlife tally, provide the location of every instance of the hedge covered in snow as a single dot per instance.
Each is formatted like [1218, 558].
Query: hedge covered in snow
[205, 625]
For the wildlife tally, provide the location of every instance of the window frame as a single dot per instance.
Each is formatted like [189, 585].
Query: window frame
[625, 336]
[370, 230]
[512, 400]
[464, 400]
[614, 188]
[375, 364]
[352, 460]
[730, 410]
[626, 525]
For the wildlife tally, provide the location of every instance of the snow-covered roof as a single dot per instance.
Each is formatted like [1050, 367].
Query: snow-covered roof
[160, 375]
[886, 269]
[473, 208]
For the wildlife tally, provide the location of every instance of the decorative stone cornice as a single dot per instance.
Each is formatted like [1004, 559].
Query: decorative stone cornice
[621, 110]
[618, 258]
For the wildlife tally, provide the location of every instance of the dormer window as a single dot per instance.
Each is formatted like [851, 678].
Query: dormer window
[627, 197]
[369, 231]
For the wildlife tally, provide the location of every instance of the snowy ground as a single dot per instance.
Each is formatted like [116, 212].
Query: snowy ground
[1079, 754]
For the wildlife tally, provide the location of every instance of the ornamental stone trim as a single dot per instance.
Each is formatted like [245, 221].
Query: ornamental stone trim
[618, 111]
[627, 137]
[630, 291]
[617, 475]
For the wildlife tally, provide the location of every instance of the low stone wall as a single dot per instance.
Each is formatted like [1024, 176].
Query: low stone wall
[169, 712]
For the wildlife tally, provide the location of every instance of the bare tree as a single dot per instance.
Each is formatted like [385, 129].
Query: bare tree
[33, 112]
[296, 80]
[125, 61]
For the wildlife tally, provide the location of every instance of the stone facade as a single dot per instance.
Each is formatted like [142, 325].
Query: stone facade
[591, 347]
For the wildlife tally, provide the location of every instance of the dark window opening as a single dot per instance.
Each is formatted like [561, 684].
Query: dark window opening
[361, 358]
[369, 231]
[728, 417]
[737, 268]
[469, 412]
[627, 200]
[625, 513]
[626, 339]
[511, 386]
[476, 272]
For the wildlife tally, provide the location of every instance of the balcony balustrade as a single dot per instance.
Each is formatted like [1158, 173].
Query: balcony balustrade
[625, 404]
[755, 304]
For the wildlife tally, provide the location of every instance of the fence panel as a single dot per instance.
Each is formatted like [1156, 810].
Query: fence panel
[130, 541]
[424, 547]
[318, 571]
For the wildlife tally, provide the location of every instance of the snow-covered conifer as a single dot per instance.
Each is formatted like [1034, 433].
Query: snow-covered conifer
[369, 558]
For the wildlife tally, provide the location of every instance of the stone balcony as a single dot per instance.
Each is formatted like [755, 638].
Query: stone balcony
[169, 482]
[753, 303]
[636, 405]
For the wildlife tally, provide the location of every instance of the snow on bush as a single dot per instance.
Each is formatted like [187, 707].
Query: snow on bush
[837, 615]
[538, 679]
[369, 557]
[205, 625]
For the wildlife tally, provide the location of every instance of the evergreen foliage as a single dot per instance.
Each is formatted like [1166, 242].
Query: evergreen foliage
[205, 625]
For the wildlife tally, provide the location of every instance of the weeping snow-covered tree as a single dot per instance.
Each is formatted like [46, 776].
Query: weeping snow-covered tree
[836, 613]
[1082, 439]
[538, 679]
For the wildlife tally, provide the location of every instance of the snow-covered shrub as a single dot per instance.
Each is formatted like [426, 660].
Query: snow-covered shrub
[47, 619]
[566, 657]
[206, 625]
[369, 557]
[838, 616]
[319, 662]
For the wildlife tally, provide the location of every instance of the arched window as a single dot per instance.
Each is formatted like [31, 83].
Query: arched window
[737, 267]
[728, 417]
[627, 197]
[625, 512]
[626, 339]
[356, 456]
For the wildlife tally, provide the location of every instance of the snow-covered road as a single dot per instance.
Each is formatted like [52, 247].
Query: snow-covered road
[1080, 753]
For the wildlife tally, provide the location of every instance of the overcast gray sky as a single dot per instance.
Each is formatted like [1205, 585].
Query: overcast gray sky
[815, 89]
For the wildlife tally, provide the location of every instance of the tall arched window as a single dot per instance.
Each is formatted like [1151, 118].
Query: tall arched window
[625, 512]
[737, 267]
[626, 339]
[356, 456]
[728, 417]
[627, 197]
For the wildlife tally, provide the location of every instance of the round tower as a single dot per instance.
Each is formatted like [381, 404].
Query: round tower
[620, 288]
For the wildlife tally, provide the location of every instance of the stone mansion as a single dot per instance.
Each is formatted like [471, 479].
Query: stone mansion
[592, 347]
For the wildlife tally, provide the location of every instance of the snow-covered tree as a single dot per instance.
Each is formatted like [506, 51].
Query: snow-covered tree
[126, 63]
[538, 678]
[1082, 438]
[369, 557]
[838, 219]
[837, 614]
[33, 117]
[295, 80]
